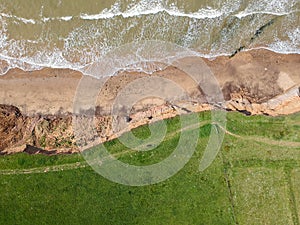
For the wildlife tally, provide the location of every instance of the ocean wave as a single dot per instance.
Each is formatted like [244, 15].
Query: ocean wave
[23, 20]
[271, 7]
[146, 7]
[59, 62]
[211, 31]
[136, 11]
[241, 15]
[32, 21]
[66, 18]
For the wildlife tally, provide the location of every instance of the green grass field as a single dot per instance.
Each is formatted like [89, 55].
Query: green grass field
[253, 180]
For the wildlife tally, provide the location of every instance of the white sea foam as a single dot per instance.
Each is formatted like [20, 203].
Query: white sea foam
[291, 45]
[66, 18]
[244, 14]
[32, 21]
[271, 7]
[88, 43]
[24, 20]
[58, 61]
[145, 7]
[201, 14]
[45, 19]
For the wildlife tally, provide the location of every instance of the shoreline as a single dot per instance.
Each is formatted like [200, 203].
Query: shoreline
[243, 71]
[5, 68]
[252, 82]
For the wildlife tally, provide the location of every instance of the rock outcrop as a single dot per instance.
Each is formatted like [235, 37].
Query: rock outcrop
[11, 126]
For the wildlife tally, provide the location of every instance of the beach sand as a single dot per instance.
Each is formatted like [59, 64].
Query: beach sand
[259, 75]
[253, 82]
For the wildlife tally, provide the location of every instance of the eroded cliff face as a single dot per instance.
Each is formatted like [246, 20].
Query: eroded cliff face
[11, 126]
[252, 82]
[52, 134]
[18, 131]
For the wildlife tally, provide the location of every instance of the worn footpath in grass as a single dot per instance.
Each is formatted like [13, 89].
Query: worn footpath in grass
[252, 181]
[295, 188]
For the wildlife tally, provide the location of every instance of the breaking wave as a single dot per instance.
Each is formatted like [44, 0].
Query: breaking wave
[74, 39]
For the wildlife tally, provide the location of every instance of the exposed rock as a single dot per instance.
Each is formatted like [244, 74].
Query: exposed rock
[11, 126]
[285, 103]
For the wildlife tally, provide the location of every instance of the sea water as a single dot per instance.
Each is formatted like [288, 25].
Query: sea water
[74, 34]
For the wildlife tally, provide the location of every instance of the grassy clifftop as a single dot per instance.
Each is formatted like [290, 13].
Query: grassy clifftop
[253, 180]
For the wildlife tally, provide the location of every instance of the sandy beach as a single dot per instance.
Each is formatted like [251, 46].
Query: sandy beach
[257, 75]
[252, 82]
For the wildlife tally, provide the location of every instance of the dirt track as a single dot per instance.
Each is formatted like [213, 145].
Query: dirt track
[77, 165]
